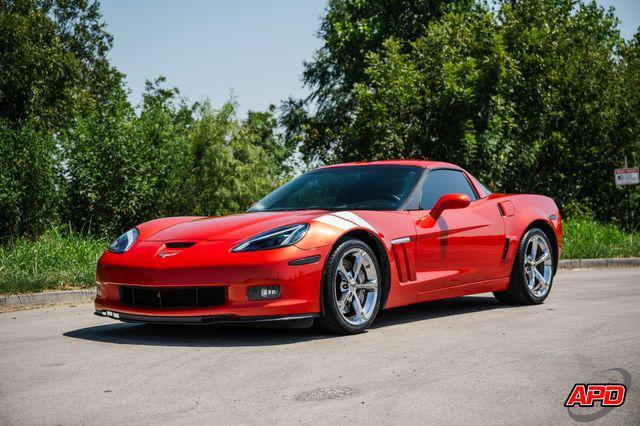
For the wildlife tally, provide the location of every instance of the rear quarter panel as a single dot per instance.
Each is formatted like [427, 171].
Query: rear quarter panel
[522, 210]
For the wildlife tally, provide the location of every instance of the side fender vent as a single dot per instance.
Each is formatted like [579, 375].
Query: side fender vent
[505, 251]
[405, 259]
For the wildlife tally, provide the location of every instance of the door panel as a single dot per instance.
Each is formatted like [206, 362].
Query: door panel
[462, 246]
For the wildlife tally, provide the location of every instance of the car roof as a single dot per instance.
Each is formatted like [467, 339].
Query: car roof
[428, 164]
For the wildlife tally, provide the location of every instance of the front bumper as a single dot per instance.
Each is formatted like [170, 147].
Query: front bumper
[299, 283]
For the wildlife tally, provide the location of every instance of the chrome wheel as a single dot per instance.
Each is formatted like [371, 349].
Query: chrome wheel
[538, 266]
[356, 286]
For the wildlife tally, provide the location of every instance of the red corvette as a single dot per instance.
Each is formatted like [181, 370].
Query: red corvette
[336, 245]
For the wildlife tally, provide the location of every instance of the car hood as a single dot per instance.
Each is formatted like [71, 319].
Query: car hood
[235, 227]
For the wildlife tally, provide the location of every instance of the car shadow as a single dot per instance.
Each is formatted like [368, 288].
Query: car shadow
[440, 308]
[225, 335]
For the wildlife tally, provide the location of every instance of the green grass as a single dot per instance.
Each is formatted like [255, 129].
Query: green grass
[59, 259]
[587, 239]
[63, 259]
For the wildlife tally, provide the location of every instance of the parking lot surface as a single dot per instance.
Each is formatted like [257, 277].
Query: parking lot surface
[467, 360]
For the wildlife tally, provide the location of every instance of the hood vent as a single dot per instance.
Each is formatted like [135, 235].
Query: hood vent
[179, 245]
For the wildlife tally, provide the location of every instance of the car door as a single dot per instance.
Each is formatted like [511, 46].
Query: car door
[462, 245]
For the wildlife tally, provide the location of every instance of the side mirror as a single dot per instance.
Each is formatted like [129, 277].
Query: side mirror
[449, 201]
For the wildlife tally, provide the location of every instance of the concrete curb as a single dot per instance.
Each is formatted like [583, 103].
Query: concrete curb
[19, 301]
[625, 262]
[22, 301]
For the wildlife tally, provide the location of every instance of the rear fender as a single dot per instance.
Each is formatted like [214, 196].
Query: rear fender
[527, 209]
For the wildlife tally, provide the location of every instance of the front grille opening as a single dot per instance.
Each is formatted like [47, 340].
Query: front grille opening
[199, 297]
[179, 244]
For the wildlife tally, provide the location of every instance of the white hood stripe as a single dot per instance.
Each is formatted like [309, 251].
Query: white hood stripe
[344, 220]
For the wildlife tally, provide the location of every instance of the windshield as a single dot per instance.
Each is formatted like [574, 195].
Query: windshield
[344, 188]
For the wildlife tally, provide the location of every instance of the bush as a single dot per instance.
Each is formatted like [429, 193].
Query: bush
[109, 175]
[122, 169]
[28, 180]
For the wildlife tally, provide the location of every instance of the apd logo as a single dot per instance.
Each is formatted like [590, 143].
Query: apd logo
[606, 396]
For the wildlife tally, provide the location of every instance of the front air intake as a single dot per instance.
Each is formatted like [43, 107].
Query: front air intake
[198, 297]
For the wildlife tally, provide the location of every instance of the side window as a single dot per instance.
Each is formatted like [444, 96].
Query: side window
[483, 188]
[442, 182]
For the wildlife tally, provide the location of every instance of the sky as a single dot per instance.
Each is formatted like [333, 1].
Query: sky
[252, 50]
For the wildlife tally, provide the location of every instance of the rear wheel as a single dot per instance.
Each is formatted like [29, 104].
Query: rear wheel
[351, 288]
[532, 273]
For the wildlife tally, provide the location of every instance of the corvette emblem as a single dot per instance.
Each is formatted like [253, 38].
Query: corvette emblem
[163, 254]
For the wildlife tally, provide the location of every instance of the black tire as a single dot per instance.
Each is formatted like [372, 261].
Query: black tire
[331, 320]
[518, 292]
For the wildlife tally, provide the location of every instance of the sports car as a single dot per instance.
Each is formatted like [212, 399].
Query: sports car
[333, 247]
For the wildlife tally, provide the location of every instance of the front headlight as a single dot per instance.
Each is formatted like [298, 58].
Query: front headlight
[124, 241]
[275, 238]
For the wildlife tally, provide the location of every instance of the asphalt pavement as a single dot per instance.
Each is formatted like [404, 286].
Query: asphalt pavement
[463, 361]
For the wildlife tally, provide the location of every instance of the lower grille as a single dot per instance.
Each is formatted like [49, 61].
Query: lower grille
[198, 297]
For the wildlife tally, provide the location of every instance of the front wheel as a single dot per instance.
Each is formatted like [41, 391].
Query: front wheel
[351, 288]
[532, 273]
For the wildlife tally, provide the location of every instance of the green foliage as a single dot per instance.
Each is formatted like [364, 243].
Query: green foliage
[171, 160]
[588, 239]
[233, 162]
[53, 60]
[58, 259]
[73, 150]
[28, 190]
[109, 180]
[531, 96]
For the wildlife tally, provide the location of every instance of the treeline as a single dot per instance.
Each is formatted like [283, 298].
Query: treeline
[74, 150]
[531, 96]
[535, 96]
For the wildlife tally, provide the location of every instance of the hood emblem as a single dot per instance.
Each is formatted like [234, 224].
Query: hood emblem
[163, 254]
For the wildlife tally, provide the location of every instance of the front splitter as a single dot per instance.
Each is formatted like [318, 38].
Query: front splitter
[203, 320]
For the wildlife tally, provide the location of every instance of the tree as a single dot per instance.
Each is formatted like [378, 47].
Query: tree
[531, 96]
[110, 177]
[445, 95]
[53, 69]
[234, 162]
[627, 127]
[28, 179]
[165, 123]
[566, 54]
[53, 60]
[351, 30]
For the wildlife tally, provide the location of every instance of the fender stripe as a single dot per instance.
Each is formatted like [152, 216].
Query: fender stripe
[338, 222]
[354, 218]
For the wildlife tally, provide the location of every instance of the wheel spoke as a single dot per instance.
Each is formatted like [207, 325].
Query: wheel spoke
[357, 264]
[531, 280]
[369, 285]
[343, 273]
[357, 307]
[540, 277]
[534, 248]
[542, 258]
[344, 299]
